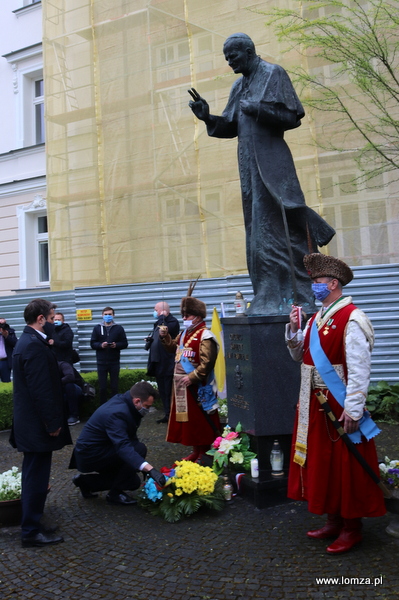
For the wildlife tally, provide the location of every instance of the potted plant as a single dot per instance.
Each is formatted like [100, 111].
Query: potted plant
[10, 497]
[389, 474]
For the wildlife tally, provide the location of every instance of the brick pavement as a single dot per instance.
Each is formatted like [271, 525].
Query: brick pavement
[123, 553]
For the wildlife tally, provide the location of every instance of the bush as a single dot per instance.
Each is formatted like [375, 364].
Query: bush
[5, 405]
[383, 402]
[127, 378]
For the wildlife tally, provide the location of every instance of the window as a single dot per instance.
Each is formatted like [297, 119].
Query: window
[27, 65]
[33, 244]
[42, 250]
[38, 104]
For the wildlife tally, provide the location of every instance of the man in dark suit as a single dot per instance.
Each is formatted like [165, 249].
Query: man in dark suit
[109, 446]
[39, 425]
[8, 339]
[160, 362]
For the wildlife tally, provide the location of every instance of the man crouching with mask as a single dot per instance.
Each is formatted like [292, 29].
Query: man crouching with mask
[108, 445]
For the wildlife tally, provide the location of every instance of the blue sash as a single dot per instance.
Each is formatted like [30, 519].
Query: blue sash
[206, 394]
[185, 363]
[367, 427]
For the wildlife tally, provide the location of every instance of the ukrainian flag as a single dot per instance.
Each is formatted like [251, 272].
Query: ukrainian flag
[220, 365]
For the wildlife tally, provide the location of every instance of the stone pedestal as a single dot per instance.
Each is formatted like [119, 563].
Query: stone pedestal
[262, 392]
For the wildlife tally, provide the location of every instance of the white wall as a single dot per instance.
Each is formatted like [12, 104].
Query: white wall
[22, 168]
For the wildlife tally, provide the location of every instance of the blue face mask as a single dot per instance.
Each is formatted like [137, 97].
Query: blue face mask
[108, 318]
[321, 291]
[57, 323]
[155, 314]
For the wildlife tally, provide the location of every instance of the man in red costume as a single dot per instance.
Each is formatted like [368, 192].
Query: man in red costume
[194, 419]
[323, 470]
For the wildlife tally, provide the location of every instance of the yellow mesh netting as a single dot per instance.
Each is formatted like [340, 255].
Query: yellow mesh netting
[137, 191]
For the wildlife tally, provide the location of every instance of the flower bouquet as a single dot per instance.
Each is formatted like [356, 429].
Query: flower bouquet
[10, 485]
[188, 487]
[389, 473]
[231, 449]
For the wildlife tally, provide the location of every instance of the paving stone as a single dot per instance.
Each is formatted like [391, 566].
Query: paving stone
[123, 553]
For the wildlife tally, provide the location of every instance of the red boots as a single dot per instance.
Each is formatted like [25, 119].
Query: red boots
[331, 529]
[193, 455]
[347, 531]
[350, 535]
[197, 453]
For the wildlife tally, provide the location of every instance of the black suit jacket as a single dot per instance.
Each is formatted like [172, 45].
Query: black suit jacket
[160, 362]
[111, 431]
[38, 398]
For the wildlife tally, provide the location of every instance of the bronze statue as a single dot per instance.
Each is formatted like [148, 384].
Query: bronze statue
[280, 228]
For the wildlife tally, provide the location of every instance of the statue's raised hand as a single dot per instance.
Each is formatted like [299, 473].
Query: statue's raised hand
[198, 105]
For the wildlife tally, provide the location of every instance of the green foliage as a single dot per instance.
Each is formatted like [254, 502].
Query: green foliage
[230, 452]
[359, 43]
[5, 405]
[127, 378]
[172, 509]
[383, 402]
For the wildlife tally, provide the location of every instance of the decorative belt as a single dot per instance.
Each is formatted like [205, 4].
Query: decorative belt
[317, 381]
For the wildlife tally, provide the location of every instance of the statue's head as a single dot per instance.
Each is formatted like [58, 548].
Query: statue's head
[239, 51]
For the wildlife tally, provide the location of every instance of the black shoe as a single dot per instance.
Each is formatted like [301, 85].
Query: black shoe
[73, 421]
[46, 529]
[121, 498]
[163, 420]
[40, 539]
[86, 493]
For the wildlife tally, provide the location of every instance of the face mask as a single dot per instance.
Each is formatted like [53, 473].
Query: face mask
[48, 329]
[57, 323]
[155, 314]
[187, 324]
[108, 318]
[321, 291]
[143, 411]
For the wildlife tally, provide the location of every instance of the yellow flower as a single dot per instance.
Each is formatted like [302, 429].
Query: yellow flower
[170, 495]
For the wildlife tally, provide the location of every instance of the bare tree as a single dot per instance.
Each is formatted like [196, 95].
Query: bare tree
[357, 41]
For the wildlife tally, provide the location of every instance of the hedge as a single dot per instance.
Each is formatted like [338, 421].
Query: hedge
[127, 378]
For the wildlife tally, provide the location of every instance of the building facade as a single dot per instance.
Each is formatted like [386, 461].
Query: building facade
[105, 175]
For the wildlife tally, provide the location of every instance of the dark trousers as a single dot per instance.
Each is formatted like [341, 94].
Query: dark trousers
[113, 474]
[72, 395]
[36, 467]
[102, 372]
[164, 383]
[5, 371]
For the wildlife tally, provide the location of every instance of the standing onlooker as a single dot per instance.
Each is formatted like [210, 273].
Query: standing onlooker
[39, 425]
[61, 339]
[8, 339]
[108, 339]
[160, 362]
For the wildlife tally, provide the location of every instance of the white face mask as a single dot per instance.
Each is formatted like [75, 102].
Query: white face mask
[187, 324]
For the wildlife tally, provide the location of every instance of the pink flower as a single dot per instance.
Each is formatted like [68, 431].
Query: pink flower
[231, 436]
[216, 443]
